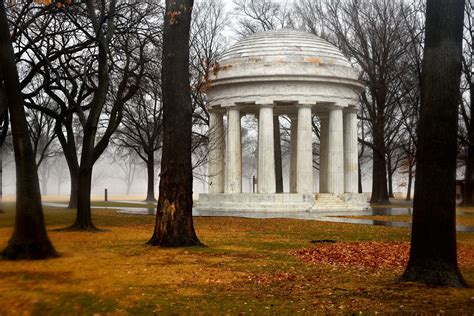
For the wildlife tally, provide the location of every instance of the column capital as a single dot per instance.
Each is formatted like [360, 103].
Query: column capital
[233, 107]
[305, 105]
[218, 110]
[351, 110]
[336, 107]
[265, 105]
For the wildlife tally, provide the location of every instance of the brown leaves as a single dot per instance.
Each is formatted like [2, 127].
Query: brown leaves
[369, 254]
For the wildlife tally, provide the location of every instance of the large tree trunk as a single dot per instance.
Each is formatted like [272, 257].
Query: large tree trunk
[359, 171]
[29, 239]
[174, 221]
[379, 178]
[84, 215]
[150, 167]
[277, 153]
[433, 258]
[74, 176]
[468, 194]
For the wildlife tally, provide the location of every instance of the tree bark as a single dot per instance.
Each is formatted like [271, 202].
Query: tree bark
[433, 257]
[359, 171]
[74, 176]
[277, 153]
[174, 221]
[379, 179]
[150, 164]
[390, 178]
[84, 215]
[29, 239]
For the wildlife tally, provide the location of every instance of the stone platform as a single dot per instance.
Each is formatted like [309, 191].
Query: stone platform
[284, 202]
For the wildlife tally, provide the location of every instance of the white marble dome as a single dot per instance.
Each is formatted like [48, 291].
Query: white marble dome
[284, 68]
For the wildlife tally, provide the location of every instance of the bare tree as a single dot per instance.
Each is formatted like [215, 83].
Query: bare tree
[174, 221]
[102, 51]
[433, 256]
[30, 239]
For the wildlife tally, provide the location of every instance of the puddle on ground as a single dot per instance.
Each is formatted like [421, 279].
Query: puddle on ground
[323, 216]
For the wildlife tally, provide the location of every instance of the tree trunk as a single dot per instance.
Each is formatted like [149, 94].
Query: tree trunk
[468, 194]
[29, 239]
[359, 171]
[83, 220]
[379, 178]
[410, 181]
[150, 167]
[174, 221]
[74, 176]
[390, 178]
[277, 153]
[433, 257]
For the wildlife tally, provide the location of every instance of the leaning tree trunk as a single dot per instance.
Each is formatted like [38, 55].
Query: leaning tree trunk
[277, 153]
[379, 178]
[174, 221]
[433, 258]
[29, 239]
[150, 167]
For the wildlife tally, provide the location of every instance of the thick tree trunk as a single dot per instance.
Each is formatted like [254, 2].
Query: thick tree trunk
[277, 152]
[468, 194]
[359, 171]
[74, 176]
[174, 221]
[150, 167]
[29, 239]
[433, 257]
[379, 178]
[83, 220]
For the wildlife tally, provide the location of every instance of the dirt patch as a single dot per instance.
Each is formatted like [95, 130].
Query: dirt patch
[369, 254]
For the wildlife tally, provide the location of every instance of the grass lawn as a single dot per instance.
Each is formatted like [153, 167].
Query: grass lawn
[248, 267]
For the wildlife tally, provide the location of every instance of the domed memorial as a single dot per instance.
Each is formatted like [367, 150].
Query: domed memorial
[299, 75]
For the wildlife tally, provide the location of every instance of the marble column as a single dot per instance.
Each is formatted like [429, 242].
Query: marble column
[336, 151]
[233, 166]
[323, 152]
[351, 154]
[266, 156]
[293, 150]
[304, 151]
[216, 152]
